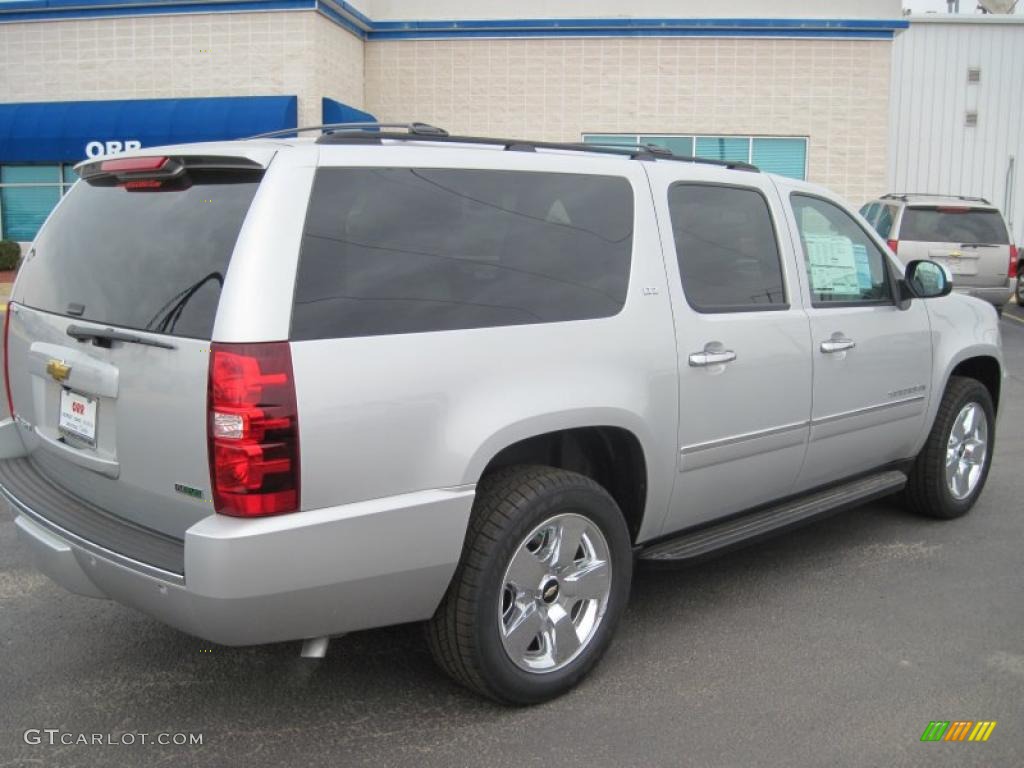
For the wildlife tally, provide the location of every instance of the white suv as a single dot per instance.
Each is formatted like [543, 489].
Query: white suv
[283, 389]
[967, 235]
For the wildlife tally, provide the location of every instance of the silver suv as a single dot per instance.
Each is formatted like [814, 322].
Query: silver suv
[283, 389]
[967, 235]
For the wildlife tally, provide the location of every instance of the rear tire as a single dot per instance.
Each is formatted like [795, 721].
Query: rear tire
[527, 617]
[950, 472]
[1020, 291]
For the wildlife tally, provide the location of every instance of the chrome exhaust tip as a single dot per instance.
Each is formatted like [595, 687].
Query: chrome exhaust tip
[315, 647]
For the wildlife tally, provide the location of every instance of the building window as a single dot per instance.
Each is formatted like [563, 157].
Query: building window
[786, 156]
[27, 195]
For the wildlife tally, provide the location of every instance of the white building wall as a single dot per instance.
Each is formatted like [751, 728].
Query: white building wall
[931, 147]
[152, 57]
[402, 10]
[834, 92]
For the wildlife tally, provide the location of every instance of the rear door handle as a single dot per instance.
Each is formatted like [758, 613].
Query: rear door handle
[714, 353]
[838, 343]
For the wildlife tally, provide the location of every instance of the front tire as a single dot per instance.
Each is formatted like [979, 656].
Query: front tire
[950, 472]
[541, 586]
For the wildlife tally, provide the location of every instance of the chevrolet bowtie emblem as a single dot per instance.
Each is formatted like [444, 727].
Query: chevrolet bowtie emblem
[58, 369]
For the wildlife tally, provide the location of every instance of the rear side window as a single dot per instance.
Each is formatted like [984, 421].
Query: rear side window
[150, 260]
[410, 250]
[885, 218]
[726, 247]
[967, 226]
[869, 211]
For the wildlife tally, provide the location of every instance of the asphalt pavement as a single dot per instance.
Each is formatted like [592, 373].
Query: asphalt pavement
[834, 645]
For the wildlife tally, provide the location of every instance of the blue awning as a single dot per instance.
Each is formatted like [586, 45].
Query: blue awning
[69, 131]
[337, 112]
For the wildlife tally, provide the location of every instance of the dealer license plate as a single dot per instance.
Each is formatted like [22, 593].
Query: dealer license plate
[77, 416]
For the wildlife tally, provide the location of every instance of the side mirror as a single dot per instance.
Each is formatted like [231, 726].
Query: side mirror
[927, 280]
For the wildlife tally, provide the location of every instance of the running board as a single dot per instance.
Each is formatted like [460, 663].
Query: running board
[691, 545]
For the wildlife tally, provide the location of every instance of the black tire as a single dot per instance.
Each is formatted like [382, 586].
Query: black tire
[464, 633]
[1020, 290]
[927, 492]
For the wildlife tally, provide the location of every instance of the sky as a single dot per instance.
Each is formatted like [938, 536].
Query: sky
[966, 6]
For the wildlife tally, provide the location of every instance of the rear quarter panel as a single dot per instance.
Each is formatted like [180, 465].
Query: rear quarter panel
[386, 415]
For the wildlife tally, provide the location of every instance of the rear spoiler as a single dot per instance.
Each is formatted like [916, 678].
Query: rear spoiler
[150, 170]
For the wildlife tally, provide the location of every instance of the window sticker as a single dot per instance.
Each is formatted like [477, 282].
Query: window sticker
[860, 257]
[833, 265]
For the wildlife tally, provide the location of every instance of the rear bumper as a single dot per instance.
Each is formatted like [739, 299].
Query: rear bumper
[997, 296]
[309, 574]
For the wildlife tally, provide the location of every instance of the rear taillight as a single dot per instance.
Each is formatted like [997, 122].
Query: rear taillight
[1012, 269]
[7, 372]
[894, 245]
[253, 429]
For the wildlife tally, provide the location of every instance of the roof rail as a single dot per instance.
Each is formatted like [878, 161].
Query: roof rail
[356, 135]
[904, 195]
[416, 129]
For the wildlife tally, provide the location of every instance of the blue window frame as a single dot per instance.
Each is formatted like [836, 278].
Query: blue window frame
[786, 156]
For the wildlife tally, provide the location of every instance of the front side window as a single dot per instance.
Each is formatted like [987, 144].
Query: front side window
[413, 250]
[726, 247]
[843, 263]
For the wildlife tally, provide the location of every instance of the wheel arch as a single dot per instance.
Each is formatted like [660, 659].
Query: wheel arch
[611, 454]
[985, 369]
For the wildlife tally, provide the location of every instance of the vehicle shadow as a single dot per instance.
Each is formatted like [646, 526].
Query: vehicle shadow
[383, 667]
[115, 669]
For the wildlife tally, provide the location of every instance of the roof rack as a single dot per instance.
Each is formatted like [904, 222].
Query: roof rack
[904, 195]
[363, 133]
[413, 129]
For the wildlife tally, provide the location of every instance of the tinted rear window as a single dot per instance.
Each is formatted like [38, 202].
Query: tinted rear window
[935, 225]
[400, 250]
[147, 260]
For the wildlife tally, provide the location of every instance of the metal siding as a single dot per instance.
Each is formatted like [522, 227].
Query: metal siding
[931, 148]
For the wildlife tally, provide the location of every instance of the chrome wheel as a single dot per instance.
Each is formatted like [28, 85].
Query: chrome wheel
[555, 593]
[966, 451]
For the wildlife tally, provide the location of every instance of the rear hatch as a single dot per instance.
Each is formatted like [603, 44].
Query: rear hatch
[110, 328]
[973, 243]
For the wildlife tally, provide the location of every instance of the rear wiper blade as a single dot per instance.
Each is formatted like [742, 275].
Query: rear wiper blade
[103, 337]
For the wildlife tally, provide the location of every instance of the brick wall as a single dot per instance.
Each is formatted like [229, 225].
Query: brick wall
[228, 54]
[833, 91]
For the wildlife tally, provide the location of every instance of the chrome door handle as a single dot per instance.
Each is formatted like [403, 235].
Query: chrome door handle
[838, 343]
[713, 353]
